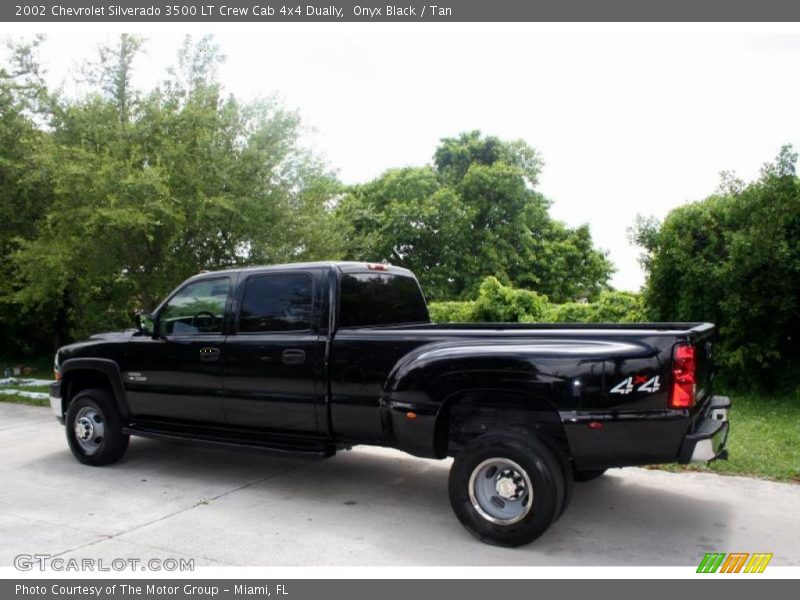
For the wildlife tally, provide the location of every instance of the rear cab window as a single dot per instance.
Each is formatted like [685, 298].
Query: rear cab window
[276, 302]
[380, 299]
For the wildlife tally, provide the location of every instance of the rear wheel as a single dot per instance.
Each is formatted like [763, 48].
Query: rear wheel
[94, 428]
[506, 490]
[566, 473]
[583, 476]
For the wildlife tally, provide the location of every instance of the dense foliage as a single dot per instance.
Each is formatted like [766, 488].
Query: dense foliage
[734, 259]
[112, 198]
[497, 302]
[474, 213]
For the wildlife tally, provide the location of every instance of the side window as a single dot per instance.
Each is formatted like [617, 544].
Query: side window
[280, 302]
[197, 308]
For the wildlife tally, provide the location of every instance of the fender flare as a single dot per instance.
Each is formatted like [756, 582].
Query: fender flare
[107, 367]
[413, 386]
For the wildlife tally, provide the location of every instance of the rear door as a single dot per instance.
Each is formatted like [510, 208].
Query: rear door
[273, 369]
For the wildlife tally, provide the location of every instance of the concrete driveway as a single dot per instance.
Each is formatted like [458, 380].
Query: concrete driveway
[363, 507]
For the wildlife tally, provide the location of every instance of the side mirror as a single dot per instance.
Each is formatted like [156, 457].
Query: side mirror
[146, 324]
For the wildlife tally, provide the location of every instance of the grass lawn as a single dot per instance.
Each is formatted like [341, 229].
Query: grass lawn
[764, 440]
[18, 399]
[42, 369]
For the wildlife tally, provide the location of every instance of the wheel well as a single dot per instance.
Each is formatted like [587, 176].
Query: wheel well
[78, 380]
[475, 413]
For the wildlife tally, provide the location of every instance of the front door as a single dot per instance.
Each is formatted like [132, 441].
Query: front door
[273, 364]
[177, 373]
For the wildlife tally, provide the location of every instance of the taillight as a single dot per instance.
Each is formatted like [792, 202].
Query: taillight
[377, 267]
[683, 376]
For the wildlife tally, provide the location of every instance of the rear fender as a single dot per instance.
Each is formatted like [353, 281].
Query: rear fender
[500, 383]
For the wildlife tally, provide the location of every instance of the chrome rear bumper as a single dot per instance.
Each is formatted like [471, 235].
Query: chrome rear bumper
[707, 439]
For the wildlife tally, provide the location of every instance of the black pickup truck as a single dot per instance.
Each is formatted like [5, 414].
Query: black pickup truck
[311, 358]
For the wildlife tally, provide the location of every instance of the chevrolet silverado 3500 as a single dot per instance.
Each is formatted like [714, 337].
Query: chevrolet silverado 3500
[311, 358]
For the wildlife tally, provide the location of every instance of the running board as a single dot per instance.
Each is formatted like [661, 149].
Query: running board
[283, 447]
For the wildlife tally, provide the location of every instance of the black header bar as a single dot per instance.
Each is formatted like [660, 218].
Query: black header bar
[437, 11]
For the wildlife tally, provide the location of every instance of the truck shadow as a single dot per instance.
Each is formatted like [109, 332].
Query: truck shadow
[629, 516]
[394, 509]
[638, 517]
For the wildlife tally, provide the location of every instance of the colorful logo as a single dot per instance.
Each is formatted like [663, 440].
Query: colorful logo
[735, 562]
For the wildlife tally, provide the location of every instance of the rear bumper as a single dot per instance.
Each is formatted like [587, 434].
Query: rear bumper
[56, 404]
[706, 441]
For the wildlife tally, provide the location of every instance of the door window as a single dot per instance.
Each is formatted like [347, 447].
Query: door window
[198, 308]
[279, 302]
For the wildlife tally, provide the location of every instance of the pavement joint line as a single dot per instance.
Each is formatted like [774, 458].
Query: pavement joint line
[203, 502]
[632, 502]
[116, 536]
[160, 549]
[44, 522]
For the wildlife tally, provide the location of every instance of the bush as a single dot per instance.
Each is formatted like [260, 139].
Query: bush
[569, 312]
[452, 312]
[734, 260]
[495, 302]
[504, 304]
[611, 307]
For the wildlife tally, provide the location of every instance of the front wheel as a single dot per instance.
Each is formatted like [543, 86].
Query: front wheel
[506, 490]
[94, 428]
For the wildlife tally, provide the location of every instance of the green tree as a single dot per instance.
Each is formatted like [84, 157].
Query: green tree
[25, 180]
[151, 186]
[472, 214]
[734, 259]
[408, 217]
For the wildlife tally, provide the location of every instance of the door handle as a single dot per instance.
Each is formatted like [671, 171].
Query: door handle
[293, 357]
[210, 354]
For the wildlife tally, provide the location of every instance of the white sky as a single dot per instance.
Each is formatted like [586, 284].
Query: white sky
[629, 119]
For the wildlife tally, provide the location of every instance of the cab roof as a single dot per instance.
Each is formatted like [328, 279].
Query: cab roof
[342, 266]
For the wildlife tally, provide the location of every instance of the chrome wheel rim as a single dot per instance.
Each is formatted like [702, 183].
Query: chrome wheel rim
[501, 491]
[89, 429]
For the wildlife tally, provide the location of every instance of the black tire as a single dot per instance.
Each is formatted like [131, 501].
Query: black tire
[539, 464]
[96, 406]
[563, 460]
[590, 475]
[566, 474]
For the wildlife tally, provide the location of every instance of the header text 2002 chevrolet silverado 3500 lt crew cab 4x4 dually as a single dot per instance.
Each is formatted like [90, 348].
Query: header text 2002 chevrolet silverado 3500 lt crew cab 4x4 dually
[309, 358]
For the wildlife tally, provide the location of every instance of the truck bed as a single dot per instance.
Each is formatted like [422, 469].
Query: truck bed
[669, 328]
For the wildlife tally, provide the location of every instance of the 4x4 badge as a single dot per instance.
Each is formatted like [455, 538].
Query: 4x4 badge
[637, 383]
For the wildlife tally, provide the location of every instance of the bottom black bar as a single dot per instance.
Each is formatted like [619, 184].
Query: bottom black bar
[730, 586]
